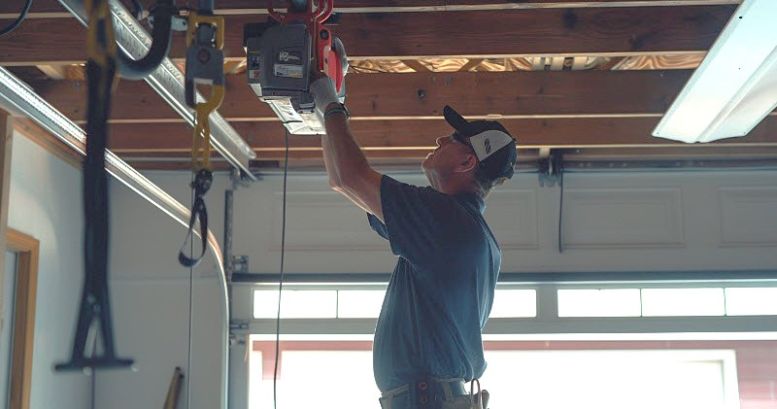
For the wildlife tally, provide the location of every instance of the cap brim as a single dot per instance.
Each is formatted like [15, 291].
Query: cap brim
[455, 120]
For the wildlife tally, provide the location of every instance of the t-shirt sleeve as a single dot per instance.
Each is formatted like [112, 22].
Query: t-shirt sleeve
[419, 221]
[378, 226]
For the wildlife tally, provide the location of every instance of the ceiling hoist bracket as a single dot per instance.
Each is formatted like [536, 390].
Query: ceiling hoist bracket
[551, 169]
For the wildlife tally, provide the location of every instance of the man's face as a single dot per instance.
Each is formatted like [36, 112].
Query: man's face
[448, 158]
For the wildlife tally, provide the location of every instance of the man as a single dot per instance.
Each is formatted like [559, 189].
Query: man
[428, 337]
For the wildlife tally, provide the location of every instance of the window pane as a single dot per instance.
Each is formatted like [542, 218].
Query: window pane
[605, 380]
[320, 379]
[256, 381]
[682, 302]
[296, 304]
[622, 302]
[514, 304]
[751, 301]
[359, 303]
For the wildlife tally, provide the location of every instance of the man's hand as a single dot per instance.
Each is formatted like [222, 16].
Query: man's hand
[324, 93]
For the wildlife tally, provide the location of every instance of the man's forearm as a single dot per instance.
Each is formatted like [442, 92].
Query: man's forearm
[349, 172]
[343, 158]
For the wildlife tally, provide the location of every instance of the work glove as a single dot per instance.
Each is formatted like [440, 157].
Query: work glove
[324, 89]
[324, 93]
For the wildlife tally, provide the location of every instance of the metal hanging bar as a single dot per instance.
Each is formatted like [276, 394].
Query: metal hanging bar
[94, 314]
[168, 82]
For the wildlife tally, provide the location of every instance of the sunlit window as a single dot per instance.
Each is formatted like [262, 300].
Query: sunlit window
[514, 304]
[599, 303]
[607, 380]
[667, 302]
[751, 301]
[296, 304]
[359, 303]
[312, 379]
[602, 379]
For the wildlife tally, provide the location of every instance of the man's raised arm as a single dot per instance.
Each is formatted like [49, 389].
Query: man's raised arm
[349, 172]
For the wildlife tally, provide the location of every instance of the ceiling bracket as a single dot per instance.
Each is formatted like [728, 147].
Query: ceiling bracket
[551, 168]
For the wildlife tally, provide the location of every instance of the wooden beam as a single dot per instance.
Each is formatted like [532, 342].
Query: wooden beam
[10, 9]
[52, 8]
[421, 134]
[233, 67]
[6, 139]
[55, 72]
[471, 64]
[61, 72]
[416, 66]
[410, 95]
[27, 249]
[6, 146]
[471, 34]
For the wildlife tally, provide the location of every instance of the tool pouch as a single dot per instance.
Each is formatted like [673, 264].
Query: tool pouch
[476, 401]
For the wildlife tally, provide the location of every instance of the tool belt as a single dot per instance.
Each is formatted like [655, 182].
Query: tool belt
[435, 393]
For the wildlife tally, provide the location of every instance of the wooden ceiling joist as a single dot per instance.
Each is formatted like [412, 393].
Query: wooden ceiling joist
[510, 94]
[52, 8]
[472, 34]
[421, 134]
[397, 117]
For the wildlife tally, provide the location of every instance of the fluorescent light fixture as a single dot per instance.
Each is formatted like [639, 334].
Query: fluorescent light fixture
[736, 85]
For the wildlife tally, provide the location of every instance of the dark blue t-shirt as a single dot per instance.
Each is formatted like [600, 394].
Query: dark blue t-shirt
[442, 288]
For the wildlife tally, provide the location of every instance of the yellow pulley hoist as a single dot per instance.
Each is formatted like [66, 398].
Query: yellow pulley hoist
[204, 65]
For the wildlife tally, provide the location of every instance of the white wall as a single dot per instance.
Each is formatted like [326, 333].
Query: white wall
[662, 221]
[150, 293]
[45, 202]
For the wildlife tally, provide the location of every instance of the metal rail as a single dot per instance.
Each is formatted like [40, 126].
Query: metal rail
[168, 82]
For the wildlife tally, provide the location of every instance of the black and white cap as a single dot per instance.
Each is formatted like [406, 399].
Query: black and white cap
[494, 147]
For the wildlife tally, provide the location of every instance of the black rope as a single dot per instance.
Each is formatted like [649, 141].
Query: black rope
[280, 280]
[16, 23]
[137, 9]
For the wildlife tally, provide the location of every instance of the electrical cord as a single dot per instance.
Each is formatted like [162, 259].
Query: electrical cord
[280, 281]
[16, 23]
[137, 9]
[561, 211]
[191, 322]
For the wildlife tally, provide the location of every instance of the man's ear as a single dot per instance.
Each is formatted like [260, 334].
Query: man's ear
[467, 164]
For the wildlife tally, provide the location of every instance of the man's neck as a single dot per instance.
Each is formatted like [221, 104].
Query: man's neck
[454, 185]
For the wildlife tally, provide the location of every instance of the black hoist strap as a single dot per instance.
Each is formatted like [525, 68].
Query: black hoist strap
[201, 184]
